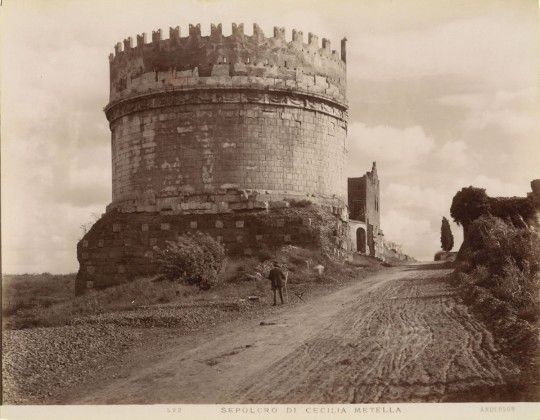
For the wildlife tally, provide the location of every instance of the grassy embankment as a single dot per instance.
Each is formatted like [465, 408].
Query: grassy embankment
[499, 273]
[44, 300]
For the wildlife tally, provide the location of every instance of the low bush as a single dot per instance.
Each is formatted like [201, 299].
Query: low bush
[444, 256]
[236, 270]
[299, 203]
[500, 275]
[193, 259]
[264, 253]
[505, 260]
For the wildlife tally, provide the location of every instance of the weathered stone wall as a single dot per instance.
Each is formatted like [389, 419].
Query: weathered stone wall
[392, 251]
[188, 61]
[119, 247]
[358, 235]
[215, 134]
[192, 115]
[169, 154]
[357, 198]
[363, 199]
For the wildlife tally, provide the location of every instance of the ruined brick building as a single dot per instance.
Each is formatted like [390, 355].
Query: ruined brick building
[364, 213]
[210, 133]
[365, 219]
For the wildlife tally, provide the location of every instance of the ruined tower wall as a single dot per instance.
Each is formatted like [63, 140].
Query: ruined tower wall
[363, 200]
[219, 134]
[364, 197]
[194, 116]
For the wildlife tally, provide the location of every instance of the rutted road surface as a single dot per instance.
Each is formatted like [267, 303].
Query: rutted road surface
[399, 336]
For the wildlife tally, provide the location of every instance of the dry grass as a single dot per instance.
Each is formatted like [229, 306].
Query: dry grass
[45, 300]
[500, 275]
[33, 313]
[24, 291]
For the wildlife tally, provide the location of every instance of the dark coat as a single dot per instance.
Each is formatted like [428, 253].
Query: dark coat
[277, 278]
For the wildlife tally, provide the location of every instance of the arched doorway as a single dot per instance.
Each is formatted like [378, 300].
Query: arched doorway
[361, 240]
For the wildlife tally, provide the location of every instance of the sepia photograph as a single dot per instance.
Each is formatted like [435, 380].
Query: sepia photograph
[286, 209]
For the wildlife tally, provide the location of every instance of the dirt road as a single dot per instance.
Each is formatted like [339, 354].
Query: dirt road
[399, 336]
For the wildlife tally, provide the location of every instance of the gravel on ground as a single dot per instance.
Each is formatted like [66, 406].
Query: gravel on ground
[39, 363]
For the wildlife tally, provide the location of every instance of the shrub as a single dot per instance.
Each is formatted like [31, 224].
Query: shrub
[469, 204]
[513, 209]
[497, 244]
[238, 270]
[505, 260]
[192, 259]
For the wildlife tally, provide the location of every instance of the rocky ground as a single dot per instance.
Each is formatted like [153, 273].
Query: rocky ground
[400, 335]
[37, 362]
[40, 364]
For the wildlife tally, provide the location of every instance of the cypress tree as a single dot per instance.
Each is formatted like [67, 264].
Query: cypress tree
[447, 239]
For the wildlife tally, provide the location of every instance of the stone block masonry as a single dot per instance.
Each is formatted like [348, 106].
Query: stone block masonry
[363, 200]
[111, 256]
[217, 133]
[190, 152]
[193, 115]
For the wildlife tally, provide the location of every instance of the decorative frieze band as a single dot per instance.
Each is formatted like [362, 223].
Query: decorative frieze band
[169, 98]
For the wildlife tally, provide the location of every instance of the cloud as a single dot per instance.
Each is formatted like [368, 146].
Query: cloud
[440, 97]
[512, 112]
[42, 237]
[454, 153]
[459, 47]
[418, 180]
[410, 233]
[414, 197]
[400, 149]
[411, 216]
[510, 121]
[463, 100]
[498, 188]
[419, 237]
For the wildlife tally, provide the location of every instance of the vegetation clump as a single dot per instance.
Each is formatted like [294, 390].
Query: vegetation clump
[469, 204]
[447, 239]
[499, 272]
[506, 261]
[193, 259]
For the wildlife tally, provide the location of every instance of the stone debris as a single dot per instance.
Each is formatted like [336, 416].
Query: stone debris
[37, 361]
[319, 269]
[39, 364]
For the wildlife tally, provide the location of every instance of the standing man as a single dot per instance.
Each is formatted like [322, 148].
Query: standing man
[277, 278]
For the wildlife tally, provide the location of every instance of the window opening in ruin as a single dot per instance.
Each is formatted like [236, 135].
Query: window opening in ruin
[225, 60]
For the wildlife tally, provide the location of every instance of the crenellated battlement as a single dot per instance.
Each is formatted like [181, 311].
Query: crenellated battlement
[216, 35]
[220, 133]
[216, 55]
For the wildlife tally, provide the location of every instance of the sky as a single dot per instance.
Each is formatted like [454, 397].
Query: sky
[443, 94]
